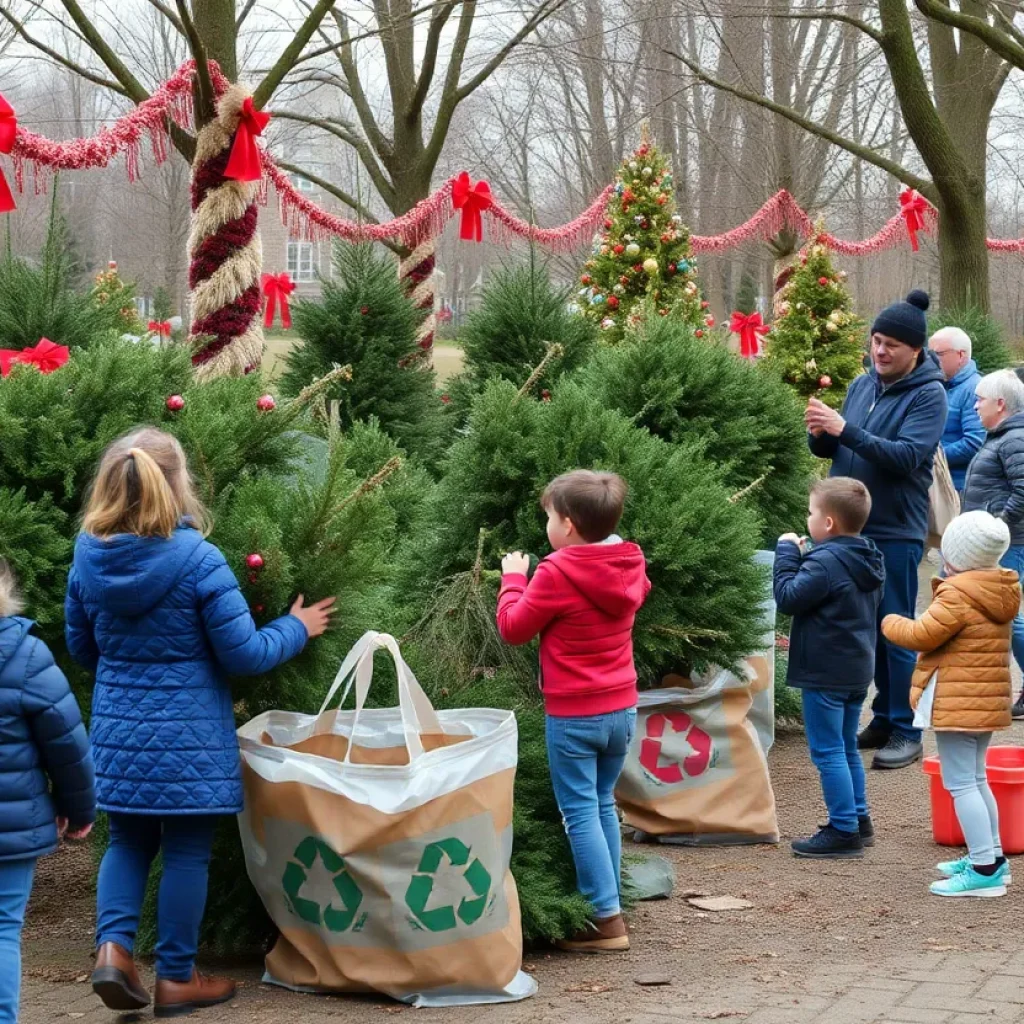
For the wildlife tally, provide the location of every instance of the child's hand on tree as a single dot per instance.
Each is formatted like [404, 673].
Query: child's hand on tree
[317, 617]
[515, 564]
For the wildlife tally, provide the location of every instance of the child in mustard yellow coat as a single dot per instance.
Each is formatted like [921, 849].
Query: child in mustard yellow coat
[961, 687]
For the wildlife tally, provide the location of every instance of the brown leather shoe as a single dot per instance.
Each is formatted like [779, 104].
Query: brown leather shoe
[175, 998]
[115, 979]
[606, 936]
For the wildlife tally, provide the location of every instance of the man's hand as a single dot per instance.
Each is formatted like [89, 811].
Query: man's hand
[821, 419]
[515, 564]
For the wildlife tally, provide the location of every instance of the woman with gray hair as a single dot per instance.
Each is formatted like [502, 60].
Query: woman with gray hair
[995, 477]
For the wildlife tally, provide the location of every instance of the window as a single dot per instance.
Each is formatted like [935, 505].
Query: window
[303, 260]
[301, 183]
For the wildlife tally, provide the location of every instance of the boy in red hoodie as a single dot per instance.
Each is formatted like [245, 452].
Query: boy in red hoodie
[582, 601]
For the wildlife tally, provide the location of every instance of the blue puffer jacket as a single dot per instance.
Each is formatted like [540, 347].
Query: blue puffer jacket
[42, 742]
[964, 434]
[889, 444]
[162, 623]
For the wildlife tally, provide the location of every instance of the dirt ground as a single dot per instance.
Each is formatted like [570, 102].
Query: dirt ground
[850, 943]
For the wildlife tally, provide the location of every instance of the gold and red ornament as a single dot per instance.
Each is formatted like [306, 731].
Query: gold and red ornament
[254, 561]
[266, 403]
[175, 403]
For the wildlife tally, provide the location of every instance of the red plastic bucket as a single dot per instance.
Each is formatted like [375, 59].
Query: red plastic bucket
[1005, 768]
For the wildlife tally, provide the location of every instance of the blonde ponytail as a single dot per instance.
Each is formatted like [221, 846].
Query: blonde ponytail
[10, 599]
[143, 487]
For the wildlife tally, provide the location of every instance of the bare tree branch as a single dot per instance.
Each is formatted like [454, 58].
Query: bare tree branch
[438, 20]
[246, 11]
[292, 53]
[371, 129]
[923, 185]
[996, 39]
[845, 19]
[207, 100]
[168, 14]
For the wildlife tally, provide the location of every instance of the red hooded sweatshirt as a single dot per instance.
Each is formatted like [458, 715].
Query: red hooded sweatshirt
[582, 601]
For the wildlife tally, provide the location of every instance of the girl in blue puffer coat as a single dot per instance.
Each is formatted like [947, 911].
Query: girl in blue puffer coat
[155, 611]
[46, 775]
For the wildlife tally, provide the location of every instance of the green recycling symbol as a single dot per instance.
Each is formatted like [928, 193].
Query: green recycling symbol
[294, 878]
[441, 919]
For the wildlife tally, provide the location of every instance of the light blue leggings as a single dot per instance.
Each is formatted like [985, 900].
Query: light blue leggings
[962, 760]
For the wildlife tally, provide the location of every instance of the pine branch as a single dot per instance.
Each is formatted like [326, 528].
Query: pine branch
[370, 484]
[478, 562]
[753, 486]
[554, 351]
[310, 391]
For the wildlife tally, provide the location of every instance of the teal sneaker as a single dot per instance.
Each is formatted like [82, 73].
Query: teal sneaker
[969, 883]
[949, 868]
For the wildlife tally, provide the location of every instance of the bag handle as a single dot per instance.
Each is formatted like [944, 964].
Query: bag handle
[417, 713]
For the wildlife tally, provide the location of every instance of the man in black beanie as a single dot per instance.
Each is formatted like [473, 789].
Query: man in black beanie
[886, 436]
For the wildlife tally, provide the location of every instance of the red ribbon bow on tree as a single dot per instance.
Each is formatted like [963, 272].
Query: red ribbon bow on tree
[8, 133]
[245, 164]
[44, 356]
[160, 327]
[277, 287]
[750, 329]
[472, 200]
[913, 206]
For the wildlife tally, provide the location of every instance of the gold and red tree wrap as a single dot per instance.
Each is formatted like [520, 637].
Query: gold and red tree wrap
[225, 254]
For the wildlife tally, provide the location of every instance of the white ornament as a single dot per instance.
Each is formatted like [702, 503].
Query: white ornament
[633, 165]
[632, 249]
[676, 219]
[607, 322]
[619, 289]
[647, 172]
[831, 325]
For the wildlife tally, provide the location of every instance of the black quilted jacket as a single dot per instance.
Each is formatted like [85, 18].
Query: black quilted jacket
[995, 477]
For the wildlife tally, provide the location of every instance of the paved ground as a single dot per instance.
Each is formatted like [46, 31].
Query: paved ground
[842, 943]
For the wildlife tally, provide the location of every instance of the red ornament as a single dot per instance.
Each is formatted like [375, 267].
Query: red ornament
[258, 609]
[642, 151]
[709, 321]
[704, 304]
[638, 268]
[661, 200]
[253, 577]
[666, 238]
[364, 310]
[825, 381]
[803, 261]
[663, 312]
[545, 395]
[608, 225]
[586, 279]
[445, 399]
[619, 249]
[613, 302]
[698, 333]
[254, 561]
[175, 403]
[266, 403]
[644, 225]
[671, 269]
[823, 281]
[623, 279]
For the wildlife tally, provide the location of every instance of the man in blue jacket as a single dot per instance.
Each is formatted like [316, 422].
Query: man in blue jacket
[886, 437]
[964, 434]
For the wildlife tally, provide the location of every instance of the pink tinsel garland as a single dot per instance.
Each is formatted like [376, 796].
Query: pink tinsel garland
[173, 102]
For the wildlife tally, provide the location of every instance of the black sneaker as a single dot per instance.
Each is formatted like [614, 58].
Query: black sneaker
[873, 739]
[899, 752]
[829, 844]
[1018, 707]
[867, 830]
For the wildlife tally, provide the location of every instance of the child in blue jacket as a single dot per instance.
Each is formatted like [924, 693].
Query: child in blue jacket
[155, 611]
[833, 594]
[47, 785]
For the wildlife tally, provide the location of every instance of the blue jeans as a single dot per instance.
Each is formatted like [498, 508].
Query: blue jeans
[586, 756]
[186, 841]
[1014, 559]
[15, 886]
[831, 718]
[894, 666]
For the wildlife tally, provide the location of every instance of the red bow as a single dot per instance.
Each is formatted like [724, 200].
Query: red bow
[161, 327]
[244, 164]
[277, 287]
[750, 329]
[472, 200]
[913, 206]
[44, 356]
[8, 133]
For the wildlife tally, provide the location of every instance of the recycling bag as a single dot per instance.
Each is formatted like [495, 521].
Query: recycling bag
[380, 840]
[697, 772]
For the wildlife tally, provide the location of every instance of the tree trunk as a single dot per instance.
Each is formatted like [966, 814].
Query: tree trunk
[215, 23]
[963, 255]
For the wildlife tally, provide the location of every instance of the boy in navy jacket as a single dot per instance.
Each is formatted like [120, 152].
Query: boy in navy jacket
[833, 593]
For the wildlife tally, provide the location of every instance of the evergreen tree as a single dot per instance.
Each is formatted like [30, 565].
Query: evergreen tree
[520, 316]
[365, 321]
[988, 342]
[816, 344]
[747, 295]
[163, 308]
[642, 258]
[749, 424]
[117, 296]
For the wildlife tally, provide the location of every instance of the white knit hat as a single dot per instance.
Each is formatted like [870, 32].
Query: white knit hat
[975, 540]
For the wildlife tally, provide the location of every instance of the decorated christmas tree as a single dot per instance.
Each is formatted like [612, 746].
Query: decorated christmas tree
[817, 342]
[642, 259]
[364, 320]
[112, 293]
